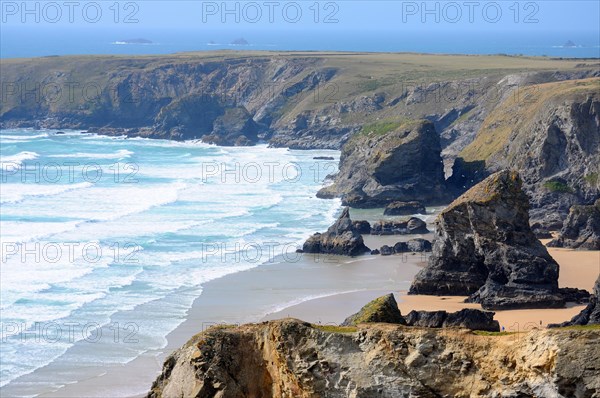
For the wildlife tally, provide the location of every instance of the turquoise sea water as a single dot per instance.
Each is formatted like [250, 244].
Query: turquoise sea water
[106, 241]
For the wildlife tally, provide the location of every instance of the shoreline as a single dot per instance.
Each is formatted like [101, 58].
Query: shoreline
[582, 268]
[321, 289]
[246, 297]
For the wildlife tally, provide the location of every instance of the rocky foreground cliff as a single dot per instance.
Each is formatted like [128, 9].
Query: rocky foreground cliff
[294, 359]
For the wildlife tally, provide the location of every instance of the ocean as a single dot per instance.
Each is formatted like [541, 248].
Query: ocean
[37, 41]
[106, 241]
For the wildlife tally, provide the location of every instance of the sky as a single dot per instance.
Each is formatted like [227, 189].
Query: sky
[38, 28]
[315, 15]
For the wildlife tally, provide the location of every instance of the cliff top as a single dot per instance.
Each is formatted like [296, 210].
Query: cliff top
[506, 183]
[356, 74]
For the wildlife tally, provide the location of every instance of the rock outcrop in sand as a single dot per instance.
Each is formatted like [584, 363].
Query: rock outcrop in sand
[341, 238]
[413, 225]
[294, 359]
[581, 229]
[484, 247]
[467, 318]
[590, 315]
[404, 208]
[394, 162]
[382, 309]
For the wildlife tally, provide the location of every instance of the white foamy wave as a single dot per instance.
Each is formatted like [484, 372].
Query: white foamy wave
[29, 269]
[103, 203]
[22, 137]
[27, 231]
[17, 160]
[13, 193]
[120, 154]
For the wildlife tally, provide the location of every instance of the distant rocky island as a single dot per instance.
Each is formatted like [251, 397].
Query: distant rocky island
[570, 44]
[240, 42]
[134, 41]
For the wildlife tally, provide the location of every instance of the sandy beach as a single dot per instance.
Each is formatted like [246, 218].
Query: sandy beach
[577, 269]
[319, 289]
[276, 287]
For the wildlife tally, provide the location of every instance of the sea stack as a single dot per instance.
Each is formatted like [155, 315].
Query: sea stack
[392, 162]
[341, 238]
[484, 248]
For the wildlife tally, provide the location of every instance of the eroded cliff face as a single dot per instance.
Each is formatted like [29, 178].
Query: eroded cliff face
[387, 162]
[292, 359]
[551, 134]
[297, 100]
[581, 229]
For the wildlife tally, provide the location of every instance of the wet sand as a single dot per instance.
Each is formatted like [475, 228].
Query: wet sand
[249, 296]
[577, 269]
[319, 289]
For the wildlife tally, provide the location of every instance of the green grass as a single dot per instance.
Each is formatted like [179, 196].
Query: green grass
[558, 186]
[336, 329]
[592, 179]
[486, 333]
[380, 128]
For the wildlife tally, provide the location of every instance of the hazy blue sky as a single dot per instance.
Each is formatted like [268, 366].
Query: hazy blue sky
[37, 28]
[340, 15]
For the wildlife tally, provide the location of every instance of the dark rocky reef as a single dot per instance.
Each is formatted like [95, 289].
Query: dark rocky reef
[382, 309]
[341, 238]
[590, 315]
[467, 318]
[417, 245]
[581, 229]
[379, 166]
[404, 208]
[386, 250]
[362, 226]
[484, 248]
[413, 225]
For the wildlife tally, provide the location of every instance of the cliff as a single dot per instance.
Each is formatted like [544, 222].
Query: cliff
[290, 358]
[390, 161]
[581, 229]
[550, 133]
[290, 99]
[484, 247]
